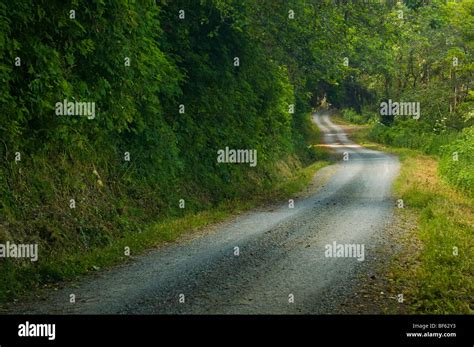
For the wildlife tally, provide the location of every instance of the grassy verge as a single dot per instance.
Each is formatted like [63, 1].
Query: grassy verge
[17, 277]
[435, 269]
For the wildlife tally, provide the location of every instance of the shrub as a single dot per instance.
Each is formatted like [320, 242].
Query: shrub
[457, 162]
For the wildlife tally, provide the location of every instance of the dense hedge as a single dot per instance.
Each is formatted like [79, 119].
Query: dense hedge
[457, 163]
[412, 134]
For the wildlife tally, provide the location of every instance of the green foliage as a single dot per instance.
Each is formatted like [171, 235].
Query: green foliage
[412, 134]
[457, 162]
[352, 116]
[425, 57]
[431, 62]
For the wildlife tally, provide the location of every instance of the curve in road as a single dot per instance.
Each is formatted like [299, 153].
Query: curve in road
[283, 264]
